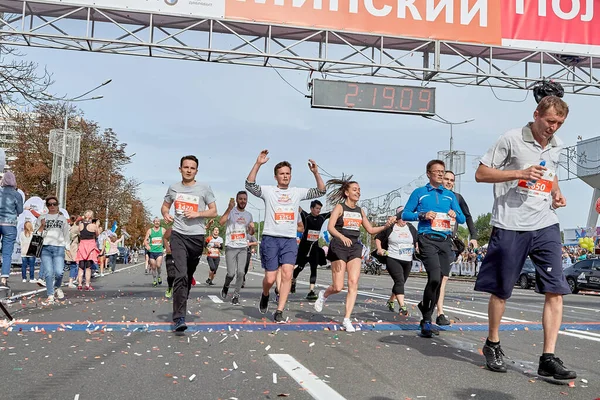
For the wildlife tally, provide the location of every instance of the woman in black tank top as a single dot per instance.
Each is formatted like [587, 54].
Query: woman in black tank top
[345, 249]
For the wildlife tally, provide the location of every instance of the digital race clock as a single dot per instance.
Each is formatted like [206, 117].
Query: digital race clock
[373, 97]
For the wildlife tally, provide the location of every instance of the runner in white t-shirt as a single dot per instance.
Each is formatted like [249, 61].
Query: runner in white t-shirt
[239, 224]
[214, 244]
[278, 247]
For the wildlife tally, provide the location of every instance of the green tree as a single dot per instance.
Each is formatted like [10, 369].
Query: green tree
[463, 234]
[484, 229]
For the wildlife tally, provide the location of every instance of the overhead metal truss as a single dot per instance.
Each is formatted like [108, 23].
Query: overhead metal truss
[105, 30]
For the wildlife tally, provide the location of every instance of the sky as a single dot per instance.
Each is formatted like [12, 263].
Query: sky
[226, 114]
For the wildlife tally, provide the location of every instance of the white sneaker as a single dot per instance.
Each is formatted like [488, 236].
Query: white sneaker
[320, 302]
[24, 280]
[41, 282]
[347, 324]
[59, 294]
[49, 300]
[101, 275]
[72, 285]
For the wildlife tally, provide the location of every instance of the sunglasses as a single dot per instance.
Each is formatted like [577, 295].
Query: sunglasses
[51, 204]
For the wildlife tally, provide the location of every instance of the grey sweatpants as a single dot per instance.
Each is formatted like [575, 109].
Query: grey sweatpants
[236, 263]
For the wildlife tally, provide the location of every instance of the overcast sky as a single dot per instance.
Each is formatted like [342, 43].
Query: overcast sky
[225, 114]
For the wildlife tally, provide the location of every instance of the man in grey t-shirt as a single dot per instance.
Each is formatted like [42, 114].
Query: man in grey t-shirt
[190, 200]
[522, 166]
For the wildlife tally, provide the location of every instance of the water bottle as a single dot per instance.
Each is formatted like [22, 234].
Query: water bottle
[532, 182]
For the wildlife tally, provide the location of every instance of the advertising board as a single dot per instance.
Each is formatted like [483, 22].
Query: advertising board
[552, 25]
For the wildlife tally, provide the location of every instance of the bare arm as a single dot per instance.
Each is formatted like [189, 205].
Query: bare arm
[335, 214]
[164, 210]
[262, 159]
[378, 246]
[368, 227]
[492, 175]
[146, 239]
[312, 165]
[225, 216]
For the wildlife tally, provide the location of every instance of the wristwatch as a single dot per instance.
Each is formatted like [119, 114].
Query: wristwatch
[422, 216]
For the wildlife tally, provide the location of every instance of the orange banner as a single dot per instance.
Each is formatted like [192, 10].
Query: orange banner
[475, 21]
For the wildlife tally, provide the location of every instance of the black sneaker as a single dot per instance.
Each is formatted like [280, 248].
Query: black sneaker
[211, 283]
[293, 289]
[208, 281]
[235, 300]
[442, 319]
[554, 367]
[311, 296]
[403, 311]
[159, 280]
[180, 325]
[278, 317]
[224, 292]
[426, 328]
[493, 357]
[263, 306]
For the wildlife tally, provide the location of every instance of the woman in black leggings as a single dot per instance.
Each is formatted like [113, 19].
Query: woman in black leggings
[397, 244]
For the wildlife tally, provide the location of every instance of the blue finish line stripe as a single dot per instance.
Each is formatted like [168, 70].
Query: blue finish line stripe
[251, 327]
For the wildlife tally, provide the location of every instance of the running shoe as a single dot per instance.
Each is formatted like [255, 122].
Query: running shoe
[89, 288]
[169, 293]
[159, 280]
[80, 288]
[72, 285]
[494, 357]
[24, 280]
[311, 296]
[224, 292]
[49, 301]
[390, 305]
[154, 283]
[347, 324]
[263, 305]
[554, 367]
[235, 300]
[403, 310]
[59, 294]
[442, 319]
[193, 281]
[146, 271]
[426, 328]
[320, 301]
[278, 317]
[179, 325]
[41, 282]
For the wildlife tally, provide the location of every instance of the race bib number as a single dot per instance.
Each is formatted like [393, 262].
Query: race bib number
[313, 236]
[352, 220]
[186, 202]
[541, 188]
[237, 236]
[284, 215]
[407, 251]
[212, 252]
[156, 241]
[441, 223]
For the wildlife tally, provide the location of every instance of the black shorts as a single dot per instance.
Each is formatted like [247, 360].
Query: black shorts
[506, 255]
[340, 252]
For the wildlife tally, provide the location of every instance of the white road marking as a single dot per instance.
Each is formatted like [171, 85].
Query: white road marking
[475, 314]
[215, 299]
[318, 389]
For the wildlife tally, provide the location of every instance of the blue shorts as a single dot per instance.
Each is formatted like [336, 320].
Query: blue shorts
[153, 255]
[507, 251]
[276, 251]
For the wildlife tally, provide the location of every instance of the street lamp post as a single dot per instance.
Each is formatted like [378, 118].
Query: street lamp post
[445, 121]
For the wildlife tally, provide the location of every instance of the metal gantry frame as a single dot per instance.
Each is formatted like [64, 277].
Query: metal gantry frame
[328, 52]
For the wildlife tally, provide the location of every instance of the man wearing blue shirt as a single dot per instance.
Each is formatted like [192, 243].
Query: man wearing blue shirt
[434, 207]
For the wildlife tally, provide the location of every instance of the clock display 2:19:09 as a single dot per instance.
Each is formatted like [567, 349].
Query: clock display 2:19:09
[374, 97]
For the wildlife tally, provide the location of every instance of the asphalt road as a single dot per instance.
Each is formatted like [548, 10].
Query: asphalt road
[115, 343]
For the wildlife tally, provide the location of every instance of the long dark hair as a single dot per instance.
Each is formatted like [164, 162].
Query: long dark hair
[337, 189]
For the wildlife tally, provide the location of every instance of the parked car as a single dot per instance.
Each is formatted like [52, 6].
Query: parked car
[527, 277]
[584, 275]
[121, 255]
